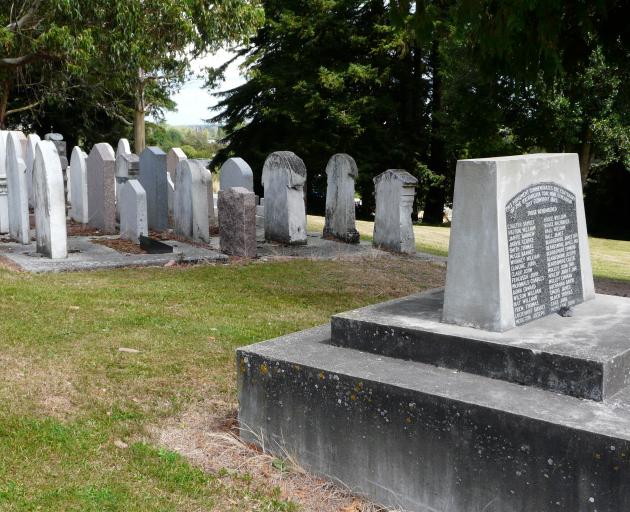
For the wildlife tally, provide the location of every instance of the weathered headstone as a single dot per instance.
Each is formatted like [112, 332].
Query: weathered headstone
[100, 181]
[123, 147]
[191, 201]
[237, 222]
[207, 176]
[4, 196]
[173, 157]
[519, 247]
[340, 210]
[133, 211]
[19, 226]
[127, 168]
[395, 190]
[50, 207]
[78, 185]
[153, 180]
[60, 145]
[236, 172]
[31, 143]
[284, 177]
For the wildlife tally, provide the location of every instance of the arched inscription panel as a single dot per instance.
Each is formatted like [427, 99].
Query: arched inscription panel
[544, 251]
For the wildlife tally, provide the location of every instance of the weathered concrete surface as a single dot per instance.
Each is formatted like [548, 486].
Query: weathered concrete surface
[236, 172]
[428, 439]
[237, 222]
[284, 177]
[31, 143]
[586, 355]
[479, 288]
[127, 168]
[190, 214]
[153, 180]
[78, 186]
[19, 227]
[100, 167]
[86, 255]
[50, 203]
[340, 221]
[173, 157]
[395, 190]
[133, 211]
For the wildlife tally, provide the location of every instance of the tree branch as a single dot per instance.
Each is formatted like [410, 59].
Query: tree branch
[18, 24]
[22, 109]
[18, 61]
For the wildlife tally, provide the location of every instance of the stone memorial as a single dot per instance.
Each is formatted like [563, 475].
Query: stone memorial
[133, 211]
[4, 196]
[123, 147]
[284, 178]
[60, 145]
[100, 166]
[31, 143]
[395, 190]
[237, 222]
[127, 168]
[477, 398]
[153, 178]
[535, 236]
[191, 201]
[207, 176]
[173, 157]
[236, 172]
[340, 221]
[78, 185]
[19, 224]
[50, 207]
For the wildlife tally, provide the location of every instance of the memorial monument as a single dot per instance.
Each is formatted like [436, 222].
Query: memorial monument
[340, 221]
[508, 392]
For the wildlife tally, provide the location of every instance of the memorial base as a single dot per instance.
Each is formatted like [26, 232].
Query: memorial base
[426, 438]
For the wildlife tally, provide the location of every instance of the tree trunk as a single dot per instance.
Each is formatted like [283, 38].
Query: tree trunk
[139, 132]
[586, 152]
[4, 101]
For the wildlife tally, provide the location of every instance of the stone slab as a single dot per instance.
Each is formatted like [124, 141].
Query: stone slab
[586, 355]
[100, 172]
[153, 180]
[237, 222]
[429, 439]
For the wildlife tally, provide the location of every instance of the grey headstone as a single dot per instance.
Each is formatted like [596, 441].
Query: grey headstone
[171, 196]
[340, 210]
[133, 211]
[4, 197]
[173, 157]
[237, 222]
[284, 177]
[207, 176]
[19, 225]
[395, 190]
[31, 143]
[101, 196]
[50, 208]
[191, 201]
[153, 180]
[236, 172]
[127, 168]
[78, 185]
[53, 137]
[519, 247]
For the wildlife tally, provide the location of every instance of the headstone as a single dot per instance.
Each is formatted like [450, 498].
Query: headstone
[340, 210]
[127, 168]
[236, 172]
[519, 247]
[284, 178]
[100, 181]
[207, 176]
[60, 144]
[133, 211]
[31, 143]
[153, 180]
[237, 222]
[19, 225]
[191, 201]
[395, 190]
[173, 157]
[171, 196]
[123, 147]
[78, 186]
[50, 208]
[4, 196]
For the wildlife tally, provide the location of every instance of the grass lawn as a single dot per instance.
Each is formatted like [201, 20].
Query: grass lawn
[610, 258]
[80, 420]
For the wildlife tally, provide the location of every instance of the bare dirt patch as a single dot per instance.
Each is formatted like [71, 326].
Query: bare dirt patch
[120, 245]
[612, 287]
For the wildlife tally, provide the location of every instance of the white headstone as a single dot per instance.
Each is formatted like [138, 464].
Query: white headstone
[31, 143]
[340, 210]
[236, 172]
[153, 180]
[207, 176]
[284, 177]
[171, 195]
[78, 185]
[133, 211]
[19, 225]
[50, 207]
[191, 201]
[123, 147]
[100, 182]
[127, 168]
[395, 190]
[173, 157]
[4, 196]
[519, 247]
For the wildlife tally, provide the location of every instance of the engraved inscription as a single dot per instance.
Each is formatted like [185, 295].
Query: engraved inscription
[544, 251]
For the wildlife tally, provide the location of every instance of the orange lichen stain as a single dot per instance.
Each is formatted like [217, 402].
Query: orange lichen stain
[358, 387]
[353, 397]
[321, 375]
[264, 369]
[242, 366]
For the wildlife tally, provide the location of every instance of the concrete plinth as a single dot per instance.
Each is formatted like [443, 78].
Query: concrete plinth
[425, 438]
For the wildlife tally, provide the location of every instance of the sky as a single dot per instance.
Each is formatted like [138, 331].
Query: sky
[193, 101]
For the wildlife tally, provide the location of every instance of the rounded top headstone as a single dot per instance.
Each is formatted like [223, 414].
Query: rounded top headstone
[343, 162]
[285, 161]
[57, 137]
[396, 174]
[102, 151]
[236, 172]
